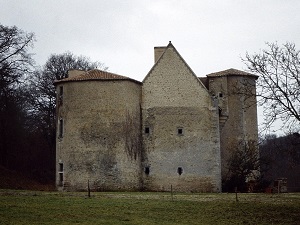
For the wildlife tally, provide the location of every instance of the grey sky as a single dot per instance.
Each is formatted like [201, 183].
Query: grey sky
[210, 35]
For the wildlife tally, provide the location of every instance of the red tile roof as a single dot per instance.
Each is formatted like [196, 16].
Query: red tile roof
[95, 75]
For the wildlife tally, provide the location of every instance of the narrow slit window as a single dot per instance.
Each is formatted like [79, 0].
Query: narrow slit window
[61, 91]
[61, 128]
[61, 94]
[61, 179]
[220, 94]
[61, 167]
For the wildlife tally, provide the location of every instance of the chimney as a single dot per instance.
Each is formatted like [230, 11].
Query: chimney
[158, 51]
[74, 73]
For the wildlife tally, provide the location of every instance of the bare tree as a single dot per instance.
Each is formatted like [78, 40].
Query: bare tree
[243, 165]
[278, 85]
[57, 65]
[15, 60]
[43, 90]
[42, 87]
[15, 64]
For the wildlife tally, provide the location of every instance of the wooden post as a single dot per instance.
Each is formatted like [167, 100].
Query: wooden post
[89, 190]
[236, 196]
[171, 192]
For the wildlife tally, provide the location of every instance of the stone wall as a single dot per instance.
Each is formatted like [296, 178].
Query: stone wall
[101, 135]
[182, 145]
[170, 131]
[238, 113]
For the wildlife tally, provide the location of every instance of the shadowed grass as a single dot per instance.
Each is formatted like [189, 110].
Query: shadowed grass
[25, 207]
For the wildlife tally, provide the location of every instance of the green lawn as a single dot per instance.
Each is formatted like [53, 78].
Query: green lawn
[28, 207]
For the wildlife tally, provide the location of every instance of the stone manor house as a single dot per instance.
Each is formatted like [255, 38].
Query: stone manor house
[174, 128]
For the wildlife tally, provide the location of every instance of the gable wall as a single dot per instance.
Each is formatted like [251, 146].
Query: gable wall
[172, 79]
[173, 98]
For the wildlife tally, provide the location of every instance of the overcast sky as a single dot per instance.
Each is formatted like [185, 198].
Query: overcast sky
[210, 35]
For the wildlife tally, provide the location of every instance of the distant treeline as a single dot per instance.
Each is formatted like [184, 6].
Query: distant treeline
[280, 158]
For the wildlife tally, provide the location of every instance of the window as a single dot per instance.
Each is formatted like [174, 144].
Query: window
[179, 170]
[220, 94]
[60, 173]
[61, 167]
[61, 94]
[147, 170]
[147, 130]
[180, 131]
[61, 128]
[61, 179]
[61, 90]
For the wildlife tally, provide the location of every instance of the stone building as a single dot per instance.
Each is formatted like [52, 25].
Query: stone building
[173, 129]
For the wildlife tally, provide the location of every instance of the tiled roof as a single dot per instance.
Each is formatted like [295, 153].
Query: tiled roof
[230, 72]
[95, 75]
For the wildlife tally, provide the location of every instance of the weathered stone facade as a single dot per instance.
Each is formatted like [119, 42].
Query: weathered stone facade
[96, 128]
[173, 129]
[236, 94]
[183, 123]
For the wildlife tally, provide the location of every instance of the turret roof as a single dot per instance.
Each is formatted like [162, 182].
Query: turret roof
[95, 74]
[231, 72]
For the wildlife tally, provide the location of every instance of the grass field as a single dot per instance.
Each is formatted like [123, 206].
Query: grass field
[28, 207]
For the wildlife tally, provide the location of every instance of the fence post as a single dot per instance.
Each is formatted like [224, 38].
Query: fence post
[89, 190]
[236, 195]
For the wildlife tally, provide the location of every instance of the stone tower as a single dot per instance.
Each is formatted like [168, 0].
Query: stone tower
[98, 135]
[235, 91]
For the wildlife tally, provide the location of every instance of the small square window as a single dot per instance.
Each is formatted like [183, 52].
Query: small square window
[147, 170]
[221, 95]
[147, 130]
[179, 170]
[180, 131]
